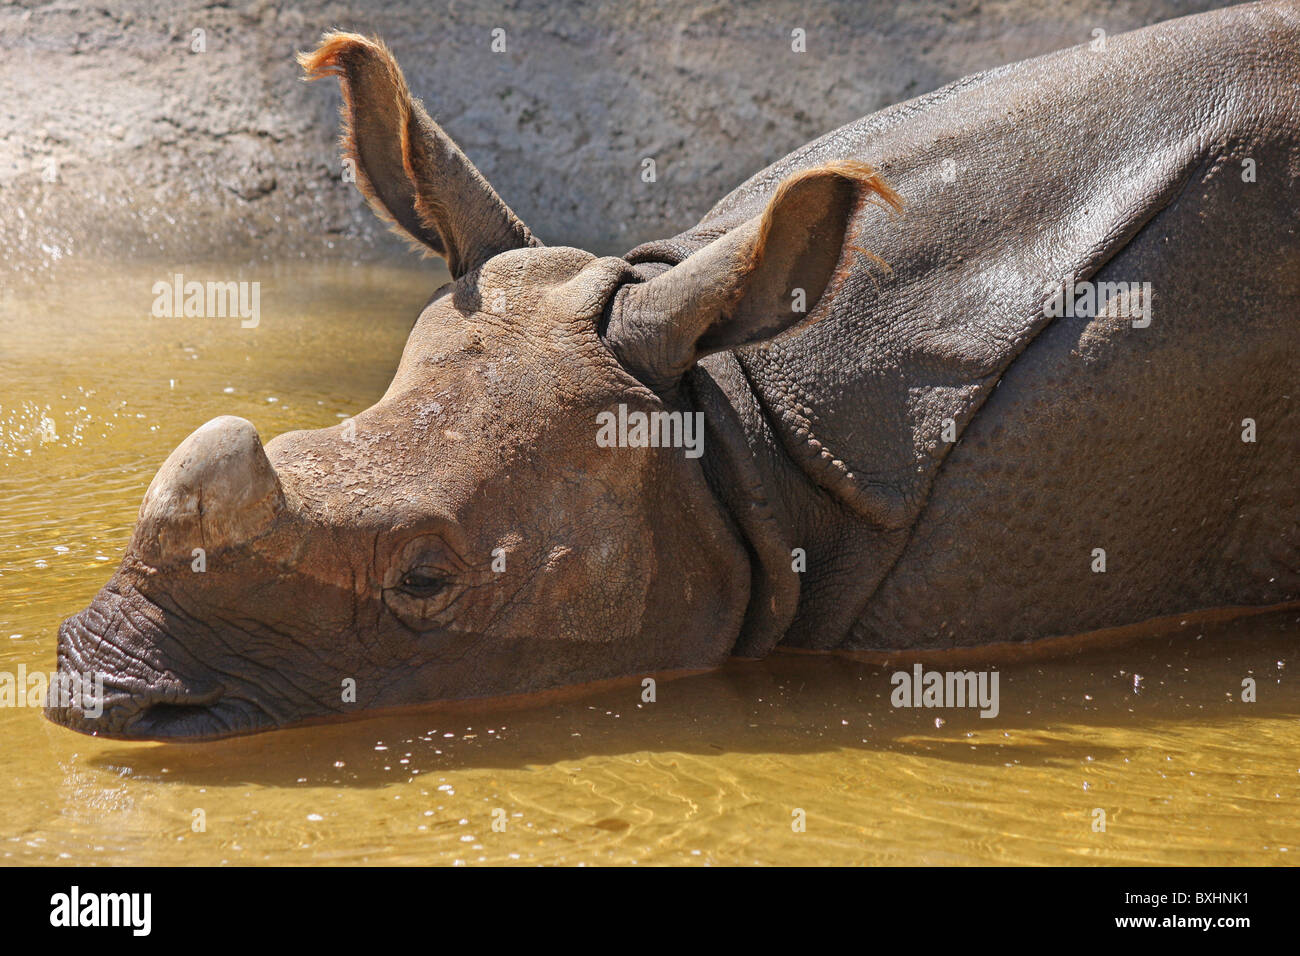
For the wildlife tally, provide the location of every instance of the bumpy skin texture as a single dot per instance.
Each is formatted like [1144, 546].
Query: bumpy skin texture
[467, 537]
[1075, 434]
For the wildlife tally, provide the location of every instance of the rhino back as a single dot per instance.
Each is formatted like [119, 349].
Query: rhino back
[1017, 181]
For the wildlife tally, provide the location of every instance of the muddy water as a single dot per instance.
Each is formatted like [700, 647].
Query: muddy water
[94, 392]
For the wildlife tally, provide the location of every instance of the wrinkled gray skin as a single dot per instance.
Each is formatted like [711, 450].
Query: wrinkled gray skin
[369, 556]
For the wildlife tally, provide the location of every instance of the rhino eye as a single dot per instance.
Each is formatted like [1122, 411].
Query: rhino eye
[423, 584]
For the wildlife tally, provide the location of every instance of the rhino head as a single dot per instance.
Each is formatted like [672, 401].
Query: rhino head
[466, 536]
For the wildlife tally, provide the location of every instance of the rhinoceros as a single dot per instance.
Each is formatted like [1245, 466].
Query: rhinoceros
[1013, 360]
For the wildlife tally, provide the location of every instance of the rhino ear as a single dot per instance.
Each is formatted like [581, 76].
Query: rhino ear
[409, 170]
[750, 284]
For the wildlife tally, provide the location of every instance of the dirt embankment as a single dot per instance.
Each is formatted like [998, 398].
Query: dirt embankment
[150, 129]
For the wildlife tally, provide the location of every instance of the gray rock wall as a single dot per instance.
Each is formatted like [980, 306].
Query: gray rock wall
[157, 151]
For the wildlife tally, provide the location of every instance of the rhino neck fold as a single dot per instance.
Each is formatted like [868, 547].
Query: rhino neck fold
[737, 480]
[717, 387]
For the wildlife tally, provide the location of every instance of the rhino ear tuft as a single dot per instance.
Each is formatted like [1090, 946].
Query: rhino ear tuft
[410, 172]
[749, 284]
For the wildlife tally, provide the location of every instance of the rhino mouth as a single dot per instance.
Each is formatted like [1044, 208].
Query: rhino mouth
[170, 721]
[103, 689]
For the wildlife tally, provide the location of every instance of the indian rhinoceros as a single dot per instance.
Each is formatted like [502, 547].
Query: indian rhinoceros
[1055, 394]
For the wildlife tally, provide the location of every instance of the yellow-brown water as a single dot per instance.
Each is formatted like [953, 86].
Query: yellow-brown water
[94, 392]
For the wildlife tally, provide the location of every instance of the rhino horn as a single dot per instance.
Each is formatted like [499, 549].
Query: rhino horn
[216, 490]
